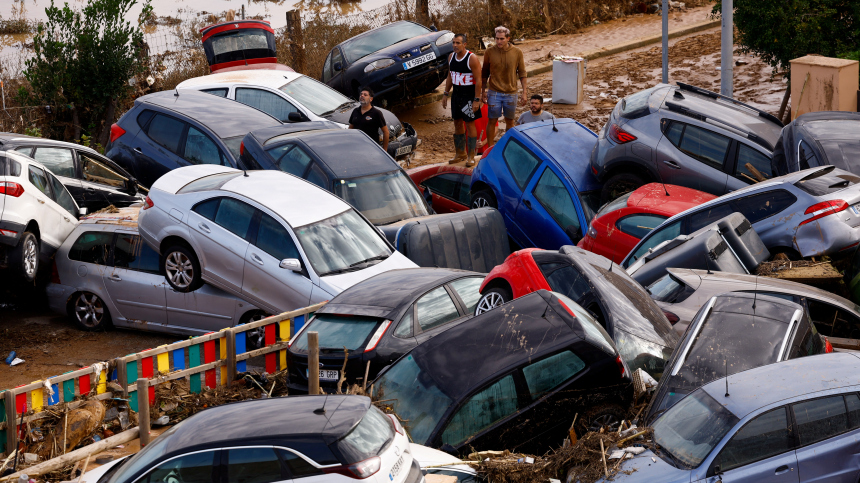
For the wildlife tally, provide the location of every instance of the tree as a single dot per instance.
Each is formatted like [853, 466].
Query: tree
[84, 59]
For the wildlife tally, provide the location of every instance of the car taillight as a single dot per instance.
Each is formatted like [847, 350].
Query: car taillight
[487, 151]
[620, 364]
[567, 308]
[828, 347]
[619, 135]
[361, 470]
[823, 209]
[378, 335]
[591, 231]
[147, 203]
[10, 188]
[673, 319]
[8, 232]
[397, 426]
[55, 274]
[116, 132]
[242, 148]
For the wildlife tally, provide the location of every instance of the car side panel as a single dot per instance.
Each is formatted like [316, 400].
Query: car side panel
[222, 254]
[271, 287]
[204, 310]
[534, 220]
[138, 296]
[834, 460]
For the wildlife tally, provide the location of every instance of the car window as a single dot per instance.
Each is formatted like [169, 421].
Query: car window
[144, 117]
[852, 402]
[298, 466]
[520, 161]
[806, 156]
[190, 468]
[25, 150]
[463, 195]
[445, 184]
[335, 58]
[667, 232]
[166, 131]
[832, 321]
[216, 92]
[758, 207]
[92, 247]
[266, 101]
[290, 158]
[13, 168]
[616, 204]
[554, 197]
[317, 177]
[640, 225]
[544, 376]
[275, 240]
[59, 161]
[327, 68]
[62, 196]
[435, 308]
[132, 253]
[481, 411]
[565, 279]
[752, 165]
[38, 178]
[208, 208]
[234, 215]
[200, 149]
[767, 435]
[253, 465]
[467, 289]
[98, 172]
[820, 419]
[706, 216]
[404, 329]
[701, 144]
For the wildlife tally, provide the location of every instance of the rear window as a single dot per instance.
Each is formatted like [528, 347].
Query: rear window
[825, 182]
[619, 203]
[208, 183]
[594, 332]
[643, 303]
[368, 438]
[636, 105]
[339, 331]
[669, 289]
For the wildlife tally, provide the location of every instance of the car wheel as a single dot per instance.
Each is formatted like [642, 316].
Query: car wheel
[607, 416]
[618, 185]
[181, 269]
[25, 257]
[483, 199]
[491, 299]
[89, 312]
[254, 338]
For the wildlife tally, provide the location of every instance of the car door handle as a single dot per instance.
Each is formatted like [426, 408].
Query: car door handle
[528, 204]
[671, 164]
[115, 278]
[257, 259]
[138, 151]
[91, 189]
[40, 201]
[782, 469]
[204, 227]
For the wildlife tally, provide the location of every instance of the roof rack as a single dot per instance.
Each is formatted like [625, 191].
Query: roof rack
[714, 95]
[673, 106]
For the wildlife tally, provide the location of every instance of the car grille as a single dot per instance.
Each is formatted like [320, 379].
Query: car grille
[405, 55]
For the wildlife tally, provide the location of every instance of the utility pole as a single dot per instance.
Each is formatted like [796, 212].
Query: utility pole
[665, 41]
[727, 51]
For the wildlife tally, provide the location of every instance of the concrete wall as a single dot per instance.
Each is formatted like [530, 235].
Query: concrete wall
[832, 84]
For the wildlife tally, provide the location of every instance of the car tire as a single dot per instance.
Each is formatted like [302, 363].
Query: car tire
[89, 312]
[254, 338]
[602, 415]
[483, 199]
[492, 298]
[618, 185]
[25, 257]
[181, 269]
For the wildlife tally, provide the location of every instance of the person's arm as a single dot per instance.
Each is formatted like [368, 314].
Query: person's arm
[384, 137]
[448, 85]
[477, 72]
[485, 75]
[350, 120]
[521, 69]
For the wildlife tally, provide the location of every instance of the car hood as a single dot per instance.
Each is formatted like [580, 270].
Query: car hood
[342, 116]
[649, 467]
[391, 51]
[335, 284]
[94, 475]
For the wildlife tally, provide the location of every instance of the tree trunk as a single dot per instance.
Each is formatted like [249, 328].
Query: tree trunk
[297, 43]
[110, 112]
[76, 125]
[422, 11]
[547, 16]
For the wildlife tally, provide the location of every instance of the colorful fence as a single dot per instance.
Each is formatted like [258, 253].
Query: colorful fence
[206, 361]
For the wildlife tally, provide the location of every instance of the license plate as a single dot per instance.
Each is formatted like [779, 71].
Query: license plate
[396, 468]
[419, 60]
[328, 375]
[855, 209]
[403, 150]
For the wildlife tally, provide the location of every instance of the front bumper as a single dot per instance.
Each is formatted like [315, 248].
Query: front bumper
[413, 82]
[405, 144]
[58, 297]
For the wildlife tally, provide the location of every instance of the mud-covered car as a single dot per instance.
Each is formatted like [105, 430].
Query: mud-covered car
[819, 139]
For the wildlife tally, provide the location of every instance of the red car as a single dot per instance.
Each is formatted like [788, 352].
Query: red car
[449, 185]
[620, 224]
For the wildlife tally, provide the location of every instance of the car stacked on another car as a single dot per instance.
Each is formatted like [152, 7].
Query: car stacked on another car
[448, 185]
[819, 139]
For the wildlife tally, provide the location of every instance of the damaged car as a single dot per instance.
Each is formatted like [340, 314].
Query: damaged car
[510, 378]
[621, 306]
[819, 139]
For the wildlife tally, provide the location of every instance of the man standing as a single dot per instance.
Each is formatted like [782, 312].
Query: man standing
[464, 82]
[535, 112]
[368, 118]
[503, 65]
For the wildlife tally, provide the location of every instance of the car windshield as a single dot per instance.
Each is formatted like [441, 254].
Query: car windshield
[342, 243]
[691, 429]
[669, 289]
[414, 396]
[317, 97]
[368, 438]
[338, 331]
[383, 198]
[381, 38]
[145, 458]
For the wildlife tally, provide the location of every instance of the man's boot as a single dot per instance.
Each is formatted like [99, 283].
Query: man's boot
[472, 151]
[460, 148]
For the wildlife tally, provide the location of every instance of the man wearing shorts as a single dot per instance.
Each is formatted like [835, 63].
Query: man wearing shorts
[503, 65]
[464, 88]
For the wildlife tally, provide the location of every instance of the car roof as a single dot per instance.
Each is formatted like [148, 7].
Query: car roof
[765, 385]
[122, 217]
[274, 79]
[386, 294]
[225, 117]
[653, 197]
[388, 25]
[570, 146]
[831, 125]
[7, 137]
[338, 148]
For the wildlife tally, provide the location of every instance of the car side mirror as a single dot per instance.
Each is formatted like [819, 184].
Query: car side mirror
[82, 212]
[296, 117]
[449, 449]
[337, 66]
[433, 28]
[292, 264]
[573, 233]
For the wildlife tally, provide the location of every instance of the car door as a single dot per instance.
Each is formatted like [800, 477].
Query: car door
[134, 283]
[266, 101]
[444, 188]
[693, 157]
[220, 227]
[54, 221]
[61, 162]
[256, 464]
[197, 467]
[762, 451]
[827, 432]
[751, 166]
[434, 310]
[547, 214]
[520, 164]
[338, 74]
[482, 414]
[265, 282]
[103, 184]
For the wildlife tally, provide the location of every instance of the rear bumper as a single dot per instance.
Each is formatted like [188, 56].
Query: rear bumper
[408, 138]
[11, 233]
[415, 475]
[58, 297]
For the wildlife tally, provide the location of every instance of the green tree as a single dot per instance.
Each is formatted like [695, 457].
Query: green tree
[84, 59]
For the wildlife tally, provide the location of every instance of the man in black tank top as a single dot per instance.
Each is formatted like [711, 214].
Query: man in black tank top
[465, 78]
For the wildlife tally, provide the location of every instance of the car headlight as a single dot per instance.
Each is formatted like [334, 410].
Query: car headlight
[379, 64]
[445, 38]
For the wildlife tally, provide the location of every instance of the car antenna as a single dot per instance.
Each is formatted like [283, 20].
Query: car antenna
[727, 377]
[175, 92]
[322, 409]
[755, 293]
[661, 181]
[708, 263]
[246, 172]
[554, 129]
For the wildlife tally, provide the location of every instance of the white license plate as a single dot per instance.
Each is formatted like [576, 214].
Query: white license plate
[396, 468]
[328, 375]
[855, 209]
[403, 150]
[419, 60]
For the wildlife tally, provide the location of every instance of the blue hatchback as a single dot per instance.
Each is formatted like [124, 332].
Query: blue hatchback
[538, 176]
[786, 422]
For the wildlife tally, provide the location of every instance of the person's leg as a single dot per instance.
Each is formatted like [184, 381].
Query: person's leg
[459, 142]
[494, 112]
[509, 109]
[471, 143]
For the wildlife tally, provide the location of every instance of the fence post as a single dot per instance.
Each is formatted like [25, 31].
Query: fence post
[422, 11]
[230, 338]
[313, 363]
[297, 42]
[12, 421]
[121, 375]
[143, 410]
[547, 21]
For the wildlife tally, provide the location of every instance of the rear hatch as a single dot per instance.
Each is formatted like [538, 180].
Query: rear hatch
[240, 42]
[838, 192]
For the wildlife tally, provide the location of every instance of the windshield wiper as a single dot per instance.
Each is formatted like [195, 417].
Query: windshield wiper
[339, 270]
[378, 257]
[675, 461]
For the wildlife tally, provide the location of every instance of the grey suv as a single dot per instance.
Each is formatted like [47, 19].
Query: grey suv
[683, 135]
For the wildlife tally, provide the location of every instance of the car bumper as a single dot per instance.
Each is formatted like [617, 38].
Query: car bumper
[58, 297]
[405, 144]
[402, 84]
[602, 149]
[415, 475]
[10, 233]
[827, 236]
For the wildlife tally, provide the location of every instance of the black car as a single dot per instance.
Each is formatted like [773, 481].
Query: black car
[819, 139]
[343, 161]
[512, 378]
[304, 438]
[401, 59]
[380, 319]
[94, 181]
[170, 129]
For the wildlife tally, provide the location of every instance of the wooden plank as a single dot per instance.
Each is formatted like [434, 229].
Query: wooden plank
[177, 345]
[840, 343]
[84, 384]
[11, 433]
[181, 374]
[271, 358]
[55, 379]
[143, 414]
[131, 376]
[194, 361]
[209, 356]
[278, 318]
[228, 354]
[37, 398]
[68, 390]
[259, 352]
[241, 346]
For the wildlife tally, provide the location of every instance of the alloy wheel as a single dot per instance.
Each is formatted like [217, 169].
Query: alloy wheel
[480, 202]
[489, 302]
[179, 269]
[89, 310]
[609, 421]
[31, 257]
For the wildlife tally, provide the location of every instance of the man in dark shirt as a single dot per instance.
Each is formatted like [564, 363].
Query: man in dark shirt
[368, 118]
